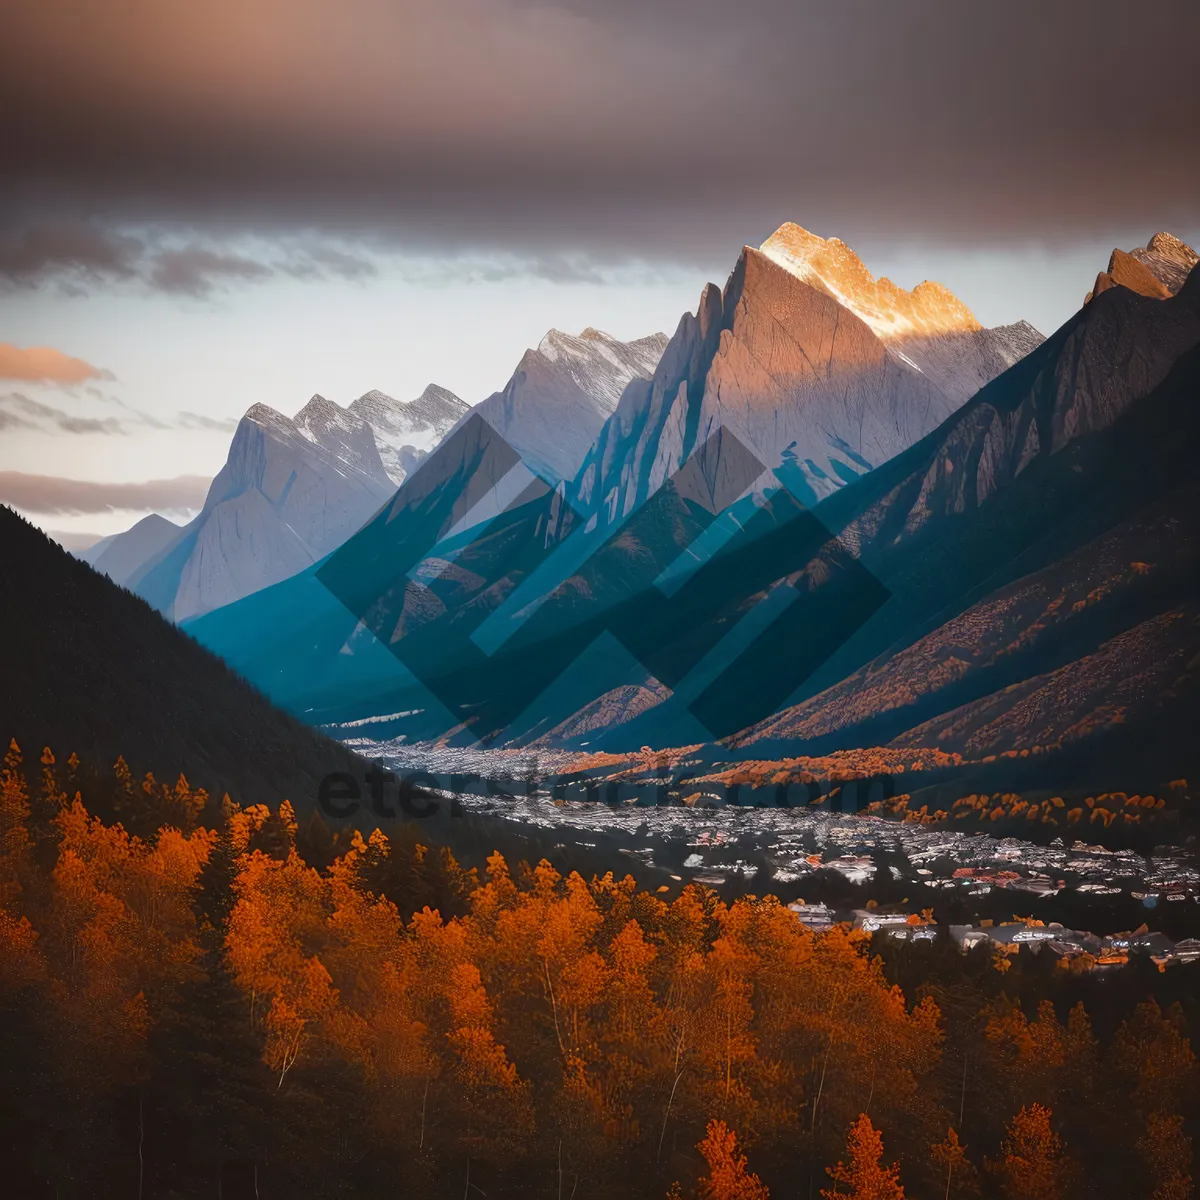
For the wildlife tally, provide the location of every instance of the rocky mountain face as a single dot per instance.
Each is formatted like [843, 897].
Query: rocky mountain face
[290, 492]
[120, 555]
[559, 397]
[405, 431]
[1158, 269]
[822, 370]
[1034, 558]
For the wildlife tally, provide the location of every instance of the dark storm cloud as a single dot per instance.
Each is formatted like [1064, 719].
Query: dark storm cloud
[48, 494]
[655, 128]
[194, 270]
[72, 247]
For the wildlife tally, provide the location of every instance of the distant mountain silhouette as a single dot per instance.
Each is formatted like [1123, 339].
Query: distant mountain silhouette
[120, 555]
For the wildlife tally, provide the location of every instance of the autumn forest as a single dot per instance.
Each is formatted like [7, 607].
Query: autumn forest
[202, 999]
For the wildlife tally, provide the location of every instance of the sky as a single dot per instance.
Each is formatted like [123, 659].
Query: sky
[210, 206]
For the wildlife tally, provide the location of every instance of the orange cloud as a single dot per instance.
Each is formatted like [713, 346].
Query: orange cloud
[44, 364]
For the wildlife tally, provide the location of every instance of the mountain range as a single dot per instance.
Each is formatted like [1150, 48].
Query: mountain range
[293, 489]
[912, 534]
[819, 370]
[1039, 552]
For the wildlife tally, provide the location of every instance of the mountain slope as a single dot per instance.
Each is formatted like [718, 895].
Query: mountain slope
[93, 670]
[290, 491]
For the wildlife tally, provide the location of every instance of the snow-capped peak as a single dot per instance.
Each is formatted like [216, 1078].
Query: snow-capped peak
[600, 364]
[891, 312]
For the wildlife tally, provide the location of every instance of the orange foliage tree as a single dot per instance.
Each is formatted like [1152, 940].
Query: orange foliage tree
[1032, 1165]
[862, 1175]
[728, 1177]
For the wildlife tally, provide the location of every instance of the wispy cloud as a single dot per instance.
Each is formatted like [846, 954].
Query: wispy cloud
[15, 420]
[51, 495]
[21, 411]
[319, 261]
[76, 255]
[24, 411]
[195, 271]
[191, 420]
[44, 364]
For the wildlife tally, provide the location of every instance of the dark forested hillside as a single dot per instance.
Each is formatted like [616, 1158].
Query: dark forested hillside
[94, 670]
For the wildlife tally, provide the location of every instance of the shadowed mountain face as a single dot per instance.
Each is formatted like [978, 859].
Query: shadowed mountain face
[94, 670]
